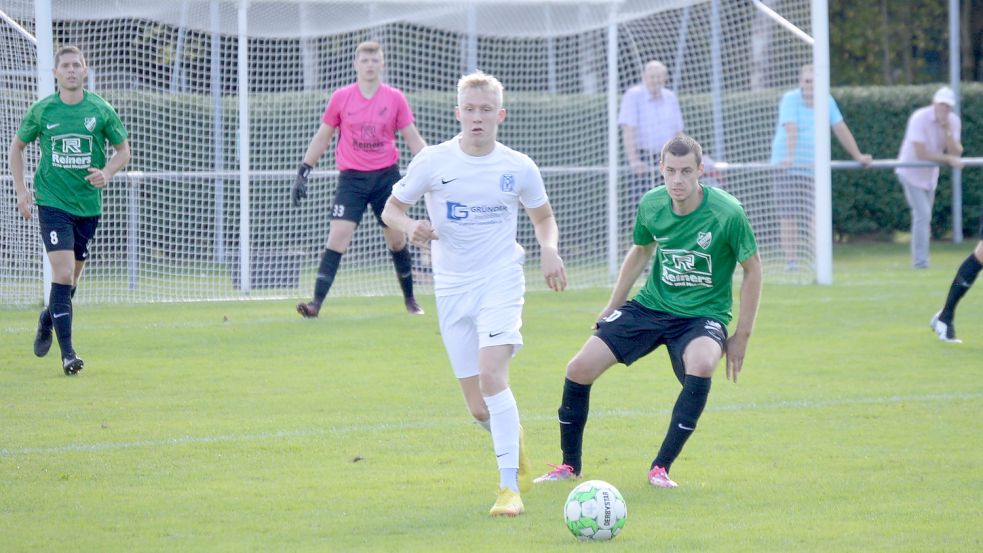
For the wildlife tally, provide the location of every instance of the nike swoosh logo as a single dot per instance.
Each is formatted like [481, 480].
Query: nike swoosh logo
[680, 425]
[490, 335]
[54, 125]
[56, 315]
[502, 455]
[442, 181]
[564, 422]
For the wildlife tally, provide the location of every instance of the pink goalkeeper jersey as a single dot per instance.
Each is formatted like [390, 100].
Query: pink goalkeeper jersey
[367, 126]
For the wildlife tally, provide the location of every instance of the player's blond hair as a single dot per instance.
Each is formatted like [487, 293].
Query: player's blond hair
[681, 145]
[482, 81]
[368, 47]
[70, 50]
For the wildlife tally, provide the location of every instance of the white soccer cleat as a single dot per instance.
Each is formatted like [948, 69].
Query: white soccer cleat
[945, 331]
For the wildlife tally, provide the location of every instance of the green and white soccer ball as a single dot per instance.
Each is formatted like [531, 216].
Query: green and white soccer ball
[595, 510]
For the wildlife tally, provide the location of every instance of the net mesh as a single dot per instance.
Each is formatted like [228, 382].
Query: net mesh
[177, 224]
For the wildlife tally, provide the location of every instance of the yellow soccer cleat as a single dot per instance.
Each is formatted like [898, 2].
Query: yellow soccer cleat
[525, 471]
[508, 504]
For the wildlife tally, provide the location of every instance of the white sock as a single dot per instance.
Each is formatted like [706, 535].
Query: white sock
[505, 435]
[509, 478]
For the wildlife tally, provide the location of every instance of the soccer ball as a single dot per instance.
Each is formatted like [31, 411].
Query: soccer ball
[595, 510]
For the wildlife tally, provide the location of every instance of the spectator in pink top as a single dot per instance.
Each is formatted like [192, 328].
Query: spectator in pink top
[367, 114]
[932, 134]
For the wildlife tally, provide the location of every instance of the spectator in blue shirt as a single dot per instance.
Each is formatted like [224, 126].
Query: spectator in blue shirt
[793, 151]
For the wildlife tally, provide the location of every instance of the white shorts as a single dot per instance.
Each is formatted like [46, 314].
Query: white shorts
[490, 314]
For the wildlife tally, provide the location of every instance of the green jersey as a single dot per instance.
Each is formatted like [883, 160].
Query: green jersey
[72, 139]
[693, 271]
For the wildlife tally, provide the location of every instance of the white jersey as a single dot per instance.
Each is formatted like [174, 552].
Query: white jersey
[473, 204]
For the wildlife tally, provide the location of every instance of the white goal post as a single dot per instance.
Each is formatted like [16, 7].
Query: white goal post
[221, 98]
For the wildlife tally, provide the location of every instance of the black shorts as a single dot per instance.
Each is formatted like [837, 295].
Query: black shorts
[980, 232]
[358, 189]
[794, 194]
[60, 230]
[633, 331]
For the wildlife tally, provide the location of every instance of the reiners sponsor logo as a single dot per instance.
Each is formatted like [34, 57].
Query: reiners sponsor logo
[71, 151]
[686, 268]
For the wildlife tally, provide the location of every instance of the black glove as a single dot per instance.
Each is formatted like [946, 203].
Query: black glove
[299, 189]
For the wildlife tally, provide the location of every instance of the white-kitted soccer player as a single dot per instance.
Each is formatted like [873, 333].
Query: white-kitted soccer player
[474, 187]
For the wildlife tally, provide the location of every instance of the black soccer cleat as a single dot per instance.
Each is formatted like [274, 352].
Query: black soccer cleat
[412, 307]
[308, 310]
[43, 337]
[72, 364]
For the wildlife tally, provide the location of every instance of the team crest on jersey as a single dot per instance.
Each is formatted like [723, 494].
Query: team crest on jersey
[90, 123]
[703, 239]
[508, 182]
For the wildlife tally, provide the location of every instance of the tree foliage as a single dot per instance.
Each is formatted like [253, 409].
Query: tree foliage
[888, 42]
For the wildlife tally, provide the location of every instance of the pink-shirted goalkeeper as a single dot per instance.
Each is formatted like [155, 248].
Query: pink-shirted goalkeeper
[367, 114]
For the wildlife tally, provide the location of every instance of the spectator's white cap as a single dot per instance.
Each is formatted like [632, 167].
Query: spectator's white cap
[945, 95]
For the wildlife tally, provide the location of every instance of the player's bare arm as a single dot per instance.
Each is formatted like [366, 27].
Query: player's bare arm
[99, 178]
[637, 258]
[736, 346]
[395, 215]
[319, 144]
[24, 198]
[412, 137]
[548, 235]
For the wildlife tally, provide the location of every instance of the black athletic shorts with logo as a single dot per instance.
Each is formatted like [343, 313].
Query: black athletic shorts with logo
[357, 189]
[60, 230]
[633, 331]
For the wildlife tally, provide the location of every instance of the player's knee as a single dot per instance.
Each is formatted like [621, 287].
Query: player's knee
[701, 367]
[581, 371]
[63, 275]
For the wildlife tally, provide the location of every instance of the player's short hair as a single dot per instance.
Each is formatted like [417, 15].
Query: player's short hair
[69, 50]
[368, 47]
[482, 81]
[681, 145]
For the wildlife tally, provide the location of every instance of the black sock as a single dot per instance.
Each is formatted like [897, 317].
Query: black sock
[692, 399]
[60, 308]
[403, 261]
[46, 321]
[325, 274]
[965, 277]
[573, 418]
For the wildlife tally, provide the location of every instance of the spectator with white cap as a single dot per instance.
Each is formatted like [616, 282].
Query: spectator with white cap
[932, 134]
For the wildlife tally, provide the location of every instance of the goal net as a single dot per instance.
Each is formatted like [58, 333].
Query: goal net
[221, 99]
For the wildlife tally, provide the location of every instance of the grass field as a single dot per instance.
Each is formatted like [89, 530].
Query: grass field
[241, 427]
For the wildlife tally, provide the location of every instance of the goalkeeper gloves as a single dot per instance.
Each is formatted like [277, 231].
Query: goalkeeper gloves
[299, 189]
